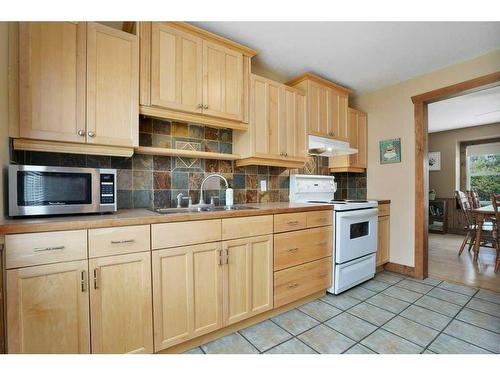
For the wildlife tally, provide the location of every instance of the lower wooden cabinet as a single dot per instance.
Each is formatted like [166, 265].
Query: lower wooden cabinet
[48, 309]
[121, 304]
[247, 277]
[383, 240]
[187, 290]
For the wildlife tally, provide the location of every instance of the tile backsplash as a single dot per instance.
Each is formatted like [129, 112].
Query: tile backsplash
[146, 181]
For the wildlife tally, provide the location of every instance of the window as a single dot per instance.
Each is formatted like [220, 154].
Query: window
[483, 169]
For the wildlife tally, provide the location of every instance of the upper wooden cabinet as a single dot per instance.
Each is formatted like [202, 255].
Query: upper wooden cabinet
[52, 76]
[277, 129]
[326, 106]
[358, 138]
[78, 83]
[189, 74]
[112, 86]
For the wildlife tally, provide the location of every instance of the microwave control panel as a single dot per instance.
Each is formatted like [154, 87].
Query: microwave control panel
[107, 188]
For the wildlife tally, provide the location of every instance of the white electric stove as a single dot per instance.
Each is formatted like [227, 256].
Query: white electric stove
[355, 238]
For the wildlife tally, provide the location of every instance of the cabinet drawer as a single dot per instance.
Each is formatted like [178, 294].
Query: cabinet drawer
[288, 222]
[293, 248]
[319, 218]
[384, 209]
[119, 240]
[33, 249]
[185, 233]
[300, 281]
[240, 227]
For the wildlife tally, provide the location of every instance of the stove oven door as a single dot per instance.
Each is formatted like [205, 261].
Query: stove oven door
[355, 234]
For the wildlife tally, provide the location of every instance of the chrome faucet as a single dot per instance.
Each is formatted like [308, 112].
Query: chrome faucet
[202, 201]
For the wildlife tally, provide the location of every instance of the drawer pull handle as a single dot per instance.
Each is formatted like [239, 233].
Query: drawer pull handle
[96, 285]
[293, 286]
[48, 248]
[122, 241]
[83, 281]
[292, 250]
[293, 222]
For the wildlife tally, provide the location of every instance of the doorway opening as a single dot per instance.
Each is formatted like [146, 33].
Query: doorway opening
[426, 214]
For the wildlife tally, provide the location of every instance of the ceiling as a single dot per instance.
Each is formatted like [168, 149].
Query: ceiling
[363, 56]
[478, 108]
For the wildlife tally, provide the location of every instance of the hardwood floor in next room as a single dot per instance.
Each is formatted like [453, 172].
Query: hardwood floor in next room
[445, 264]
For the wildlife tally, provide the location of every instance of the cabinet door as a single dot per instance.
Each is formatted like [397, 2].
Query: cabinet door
[121, 306]
[267, 116]
[338, 116]
[112, 86]
[247, 277]
[383, 240]
[319, 107]
[362, 140]
[176, 69]
[52, 80]
[48, 309]
[301, 141]
[293, 128]
[187, 290]
[222, 82]
[353, 136]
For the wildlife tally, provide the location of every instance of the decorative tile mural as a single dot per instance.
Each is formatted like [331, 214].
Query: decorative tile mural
[146, 181]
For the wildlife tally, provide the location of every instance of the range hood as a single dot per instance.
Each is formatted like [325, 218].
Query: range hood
[328, 147]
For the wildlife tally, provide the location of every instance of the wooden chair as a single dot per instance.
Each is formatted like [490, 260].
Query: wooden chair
[473, 197]
[471, 226]
[495, 201]
[465, 206]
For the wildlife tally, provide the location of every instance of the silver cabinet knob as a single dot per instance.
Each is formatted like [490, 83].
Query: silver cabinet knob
[200, 105]
[91, 134]
[205, 106]
[81, 133]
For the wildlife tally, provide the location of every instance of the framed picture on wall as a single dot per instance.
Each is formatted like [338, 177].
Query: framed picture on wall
[390, 151]
[435, 161]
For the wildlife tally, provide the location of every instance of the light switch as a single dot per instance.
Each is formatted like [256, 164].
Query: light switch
[263, 185]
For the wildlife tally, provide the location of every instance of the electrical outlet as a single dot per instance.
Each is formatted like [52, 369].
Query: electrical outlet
[263, 185]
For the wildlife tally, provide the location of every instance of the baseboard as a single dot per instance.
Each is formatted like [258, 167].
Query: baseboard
[197, 341]
[399, 268]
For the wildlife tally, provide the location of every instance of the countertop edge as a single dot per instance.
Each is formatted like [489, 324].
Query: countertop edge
[142, 217]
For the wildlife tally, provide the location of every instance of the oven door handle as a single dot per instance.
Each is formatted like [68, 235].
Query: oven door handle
[365, 214]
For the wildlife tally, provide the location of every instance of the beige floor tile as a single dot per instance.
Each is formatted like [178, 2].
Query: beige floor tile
[480, 319]
[448, 296]
[265, 335]
[325, 340]
[230, 344]
[388, 303]
[445, 344]
[438, 305]
[320, 310]
[484, 306]
[477, 336]
[414, 332]
[295, 321]
[384, 342]
[426, 317]
[293, 346]
[402, 294]
[370, 313]
[351, 326]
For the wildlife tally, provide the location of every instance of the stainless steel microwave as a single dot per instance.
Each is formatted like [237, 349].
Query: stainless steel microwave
[38, 190]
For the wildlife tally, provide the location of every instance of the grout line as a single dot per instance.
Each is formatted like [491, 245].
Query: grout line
[451, 321]
[247, 340]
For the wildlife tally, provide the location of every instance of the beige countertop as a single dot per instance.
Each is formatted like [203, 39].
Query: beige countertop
[140, 216]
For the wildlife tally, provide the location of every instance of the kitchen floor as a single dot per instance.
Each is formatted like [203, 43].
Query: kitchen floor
[444, 263]
[386, 315]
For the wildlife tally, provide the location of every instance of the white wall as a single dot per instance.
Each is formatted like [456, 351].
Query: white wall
[4, 118]
[390, 115]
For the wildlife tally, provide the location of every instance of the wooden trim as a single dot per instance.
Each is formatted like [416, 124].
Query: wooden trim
[71, 148]
[145, 63]
[320, 80]
[270, 162]
[129, 27]
[421, 159]
[475, 84]
[163, 113]
[184, 153]
[399, 268]
[421, 189]
[239, 325]
[2, 302]
[214, 38]
[13, 81]
[347, 169]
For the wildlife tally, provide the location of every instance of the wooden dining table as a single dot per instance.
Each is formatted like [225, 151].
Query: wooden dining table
[481, 215]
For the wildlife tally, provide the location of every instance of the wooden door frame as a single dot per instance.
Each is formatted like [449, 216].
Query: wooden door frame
[420, 103]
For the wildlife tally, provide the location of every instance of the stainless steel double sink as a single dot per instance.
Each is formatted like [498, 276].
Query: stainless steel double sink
[186, 210]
